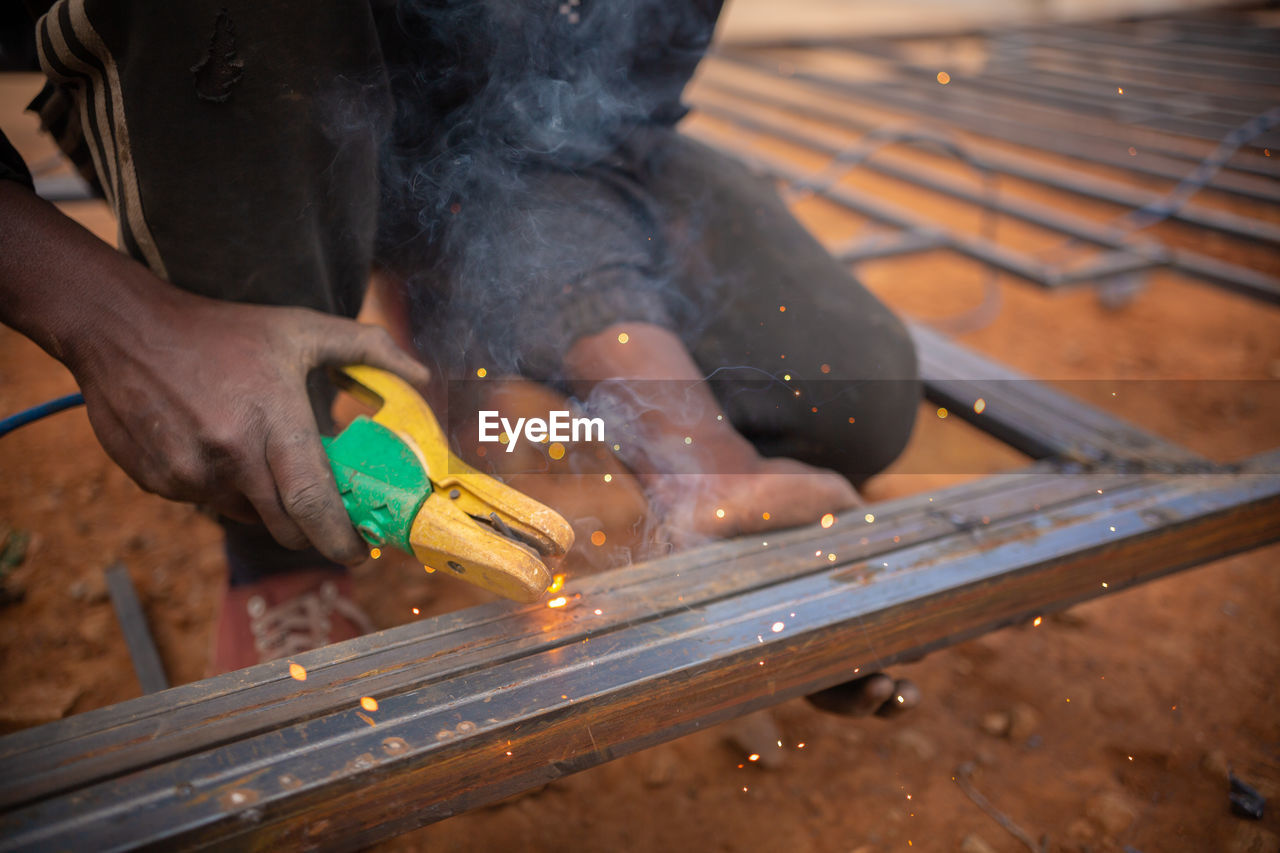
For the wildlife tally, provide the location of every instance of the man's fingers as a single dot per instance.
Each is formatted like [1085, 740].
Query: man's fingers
[359, 343]
[260, 490]
[308, 495]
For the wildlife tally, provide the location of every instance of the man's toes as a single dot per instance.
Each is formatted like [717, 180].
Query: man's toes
[857, 698]
[905, 696]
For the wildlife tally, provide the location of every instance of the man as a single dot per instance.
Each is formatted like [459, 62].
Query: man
[515, 166]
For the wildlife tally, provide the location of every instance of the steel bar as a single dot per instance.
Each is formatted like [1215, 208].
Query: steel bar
[515, 720]
[980, 118]
[1004, 163]
[137, 636]
[1036, 419]
[1231, 276]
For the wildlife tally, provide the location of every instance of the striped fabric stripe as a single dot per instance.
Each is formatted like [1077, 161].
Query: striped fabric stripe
[74, 56]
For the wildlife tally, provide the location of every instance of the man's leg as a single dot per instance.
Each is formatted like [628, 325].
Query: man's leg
[810, 365]
[241, 162]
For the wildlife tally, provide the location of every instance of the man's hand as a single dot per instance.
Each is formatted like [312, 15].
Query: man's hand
[209, 404]
[196, 399]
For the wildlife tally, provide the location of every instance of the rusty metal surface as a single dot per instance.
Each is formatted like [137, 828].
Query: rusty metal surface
[574, 688]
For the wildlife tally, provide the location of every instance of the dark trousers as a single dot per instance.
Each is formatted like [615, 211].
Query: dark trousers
[516, 162]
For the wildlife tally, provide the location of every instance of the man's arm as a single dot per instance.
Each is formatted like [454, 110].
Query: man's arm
[196, 399]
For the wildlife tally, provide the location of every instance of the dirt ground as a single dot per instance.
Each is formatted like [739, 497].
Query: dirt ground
[1111, 727]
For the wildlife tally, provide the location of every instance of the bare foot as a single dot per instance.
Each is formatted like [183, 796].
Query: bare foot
[770, 494]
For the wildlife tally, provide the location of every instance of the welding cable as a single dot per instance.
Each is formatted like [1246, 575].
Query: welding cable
[35, 413]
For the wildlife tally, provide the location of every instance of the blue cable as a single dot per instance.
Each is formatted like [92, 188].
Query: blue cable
[35, 413]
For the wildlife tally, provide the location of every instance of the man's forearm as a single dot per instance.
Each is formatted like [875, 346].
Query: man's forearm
[58, 282]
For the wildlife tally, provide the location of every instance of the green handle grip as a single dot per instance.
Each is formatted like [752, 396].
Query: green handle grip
[381, 480]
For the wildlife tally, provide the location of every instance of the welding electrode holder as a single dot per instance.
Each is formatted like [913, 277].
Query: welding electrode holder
[401, 486]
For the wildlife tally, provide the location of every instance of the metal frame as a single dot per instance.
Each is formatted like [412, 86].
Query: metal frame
[476, 705]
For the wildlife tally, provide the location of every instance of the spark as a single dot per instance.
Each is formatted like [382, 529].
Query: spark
[1036, 622]
[817, 553]
[1113, 528]
[1104, 584]
[765, 516]
[852, 421]
[777, 627]
[765, 543]
[429, 570]
[375, 553]
[786, 376]
[623, 337]
[869, 518]
[598, 538]
[719, 513]
[826, 368]
[369, 703]
[297, 672]
[508, 752]
[1131, 758]
[608, 478]
[942, 412]
[800, 745]
[782, 309]
[828, 520]
[616, 448]
[1133, 152]
[901, 700]
[831, 558]
[556, 451]
[598, 612]
[481, 372]
[416, 611]
[1119, 90]
[944, 78]
[558, 601]
[688, 439]
[756, 757]
[979, 406]
[557, 583]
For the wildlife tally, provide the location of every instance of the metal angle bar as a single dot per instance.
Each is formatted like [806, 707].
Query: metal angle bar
[1154, 58]
[1037, 214]
[1078, 183]
[1019, 95]
[1036, 419]
[1146, 254]
[1162, 97]
[889, 246]
[975, 119]
[334, 780]
[992, 254]
[1119, 73]
[133, 624]
[193, 718]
